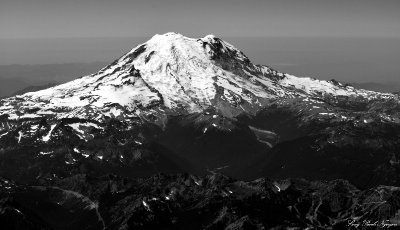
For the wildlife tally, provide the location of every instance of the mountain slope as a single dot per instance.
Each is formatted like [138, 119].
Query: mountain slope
[184, 201]
[175, 74]
[116, 149]
[178, 104]
[34, 88]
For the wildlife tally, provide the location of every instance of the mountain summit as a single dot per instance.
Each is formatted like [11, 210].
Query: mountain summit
[146, 142]
[199, 105]
[173, 74]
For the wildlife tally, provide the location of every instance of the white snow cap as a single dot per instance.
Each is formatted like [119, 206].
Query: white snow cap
[175, 73]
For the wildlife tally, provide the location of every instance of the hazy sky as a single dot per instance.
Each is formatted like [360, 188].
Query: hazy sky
[123, 18]
[349, 40]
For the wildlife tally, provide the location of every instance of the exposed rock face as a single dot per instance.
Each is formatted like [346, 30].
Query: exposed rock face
[176, 104]
[183, 201]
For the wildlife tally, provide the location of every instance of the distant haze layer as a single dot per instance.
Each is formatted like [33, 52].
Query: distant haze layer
[344, 59]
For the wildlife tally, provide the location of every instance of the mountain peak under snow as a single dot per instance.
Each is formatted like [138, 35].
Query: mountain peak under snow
[172, 73]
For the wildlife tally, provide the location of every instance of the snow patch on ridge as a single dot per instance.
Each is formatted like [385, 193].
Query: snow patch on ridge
[47, 137]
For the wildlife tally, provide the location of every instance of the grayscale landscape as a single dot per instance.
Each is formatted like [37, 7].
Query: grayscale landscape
[199, 114]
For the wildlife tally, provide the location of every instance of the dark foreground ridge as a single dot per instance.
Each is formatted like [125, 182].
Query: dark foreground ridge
[185, 201]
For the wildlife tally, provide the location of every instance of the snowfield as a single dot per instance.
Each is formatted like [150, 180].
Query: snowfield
[173, 73]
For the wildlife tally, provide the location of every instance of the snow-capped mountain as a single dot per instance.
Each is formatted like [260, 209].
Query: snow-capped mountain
[199, 105]
[173, 74]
